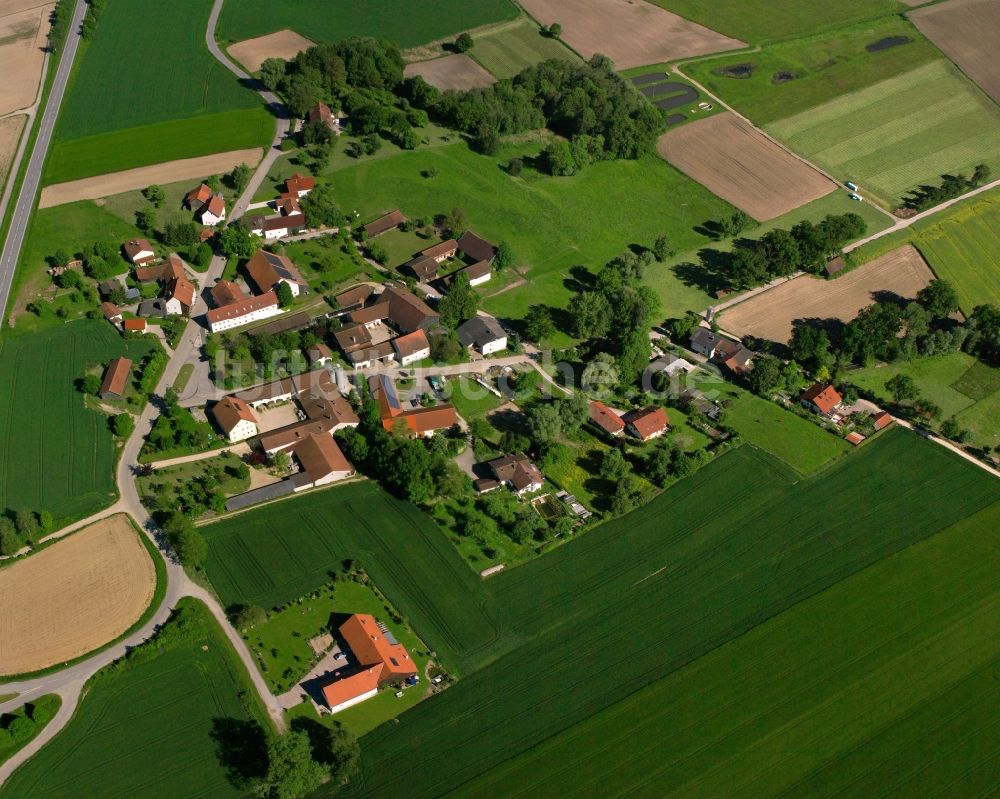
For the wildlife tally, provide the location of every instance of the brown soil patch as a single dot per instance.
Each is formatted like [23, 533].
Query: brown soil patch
[132, 179]
[770, 315]
[286, 44]
[74, 596]
[966, 30]
[10, 135]
[22, 54]
[456, 71]
[631, 33]
[737, 162]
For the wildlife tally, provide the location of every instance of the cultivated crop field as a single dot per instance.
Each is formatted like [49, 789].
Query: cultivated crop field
[712, 558]
[918, 126]
[738, 163]
[55, 454]
[254, 52]
[457, 71]
[789, 77]
[399, 21]
[874, 685]
[773, 314]
[507, 50]
[74, 596]
[965, 30]
[631, 34]
[157, 725]
[146, 90]
[758, 21]
[278, 553]
[24, 28]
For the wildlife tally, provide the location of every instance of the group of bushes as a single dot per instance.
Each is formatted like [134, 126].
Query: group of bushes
[22, 527]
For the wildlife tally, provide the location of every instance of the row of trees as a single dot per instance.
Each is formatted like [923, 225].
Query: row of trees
[951, 186]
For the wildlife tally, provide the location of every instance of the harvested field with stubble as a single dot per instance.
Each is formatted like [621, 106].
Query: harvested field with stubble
[771, 315]
[10, 134]
[74, 596]
[133, 179]
[966, 31]
[23, 33]
[737, 162]
[631, 33]
[456, 71]
[252, 53]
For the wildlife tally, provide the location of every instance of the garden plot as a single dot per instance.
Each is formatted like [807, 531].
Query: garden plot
[772, 314]
[738, 163]
[630, 32]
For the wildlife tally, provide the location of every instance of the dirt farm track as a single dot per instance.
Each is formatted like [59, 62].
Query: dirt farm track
[73, 597]
[632, 33]
[771, 314]
[738, 163]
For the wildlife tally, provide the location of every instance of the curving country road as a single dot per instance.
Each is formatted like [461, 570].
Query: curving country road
[33, 175]
[68, 683]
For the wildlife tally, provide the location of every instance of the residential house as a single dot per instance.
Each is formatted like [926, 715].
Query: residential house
[116, 379]
[276, 227]
[418, 421]
[882, 419]
[355, 297]
[134, 326]
[353, 338]
[300, 185]
[164, 272]
[243, 312]
[483, 333]
[647, 423]
[268, 270]
[384, 224]
[112, 313]
[476, 248]
[138, 252]
[156, 307]
[235, 419]
[319, 354]
[321, 460]
[196, 198]
[478, 273]
[603, 418]
[423, 267]
[382, 352]
[734, 356]
[321, 113]
[225, 292]
[706, 342]
[287, 204]
[442, 251]
[518, 473]
[212, 212]
[180, 297]
[412, 347]
[821, 398]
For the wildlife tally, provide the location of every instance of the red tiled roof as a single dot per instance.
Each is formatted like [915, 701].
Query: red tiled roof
[116, 376]
[199, 195]
[133, 247]
[243, 307]
[297, 183]
[424, 420]
[411, 343]
[823, 395]
[225, 292]
[320, 113]
[110, 310]
[605, 418]
[134, 325]
[230, 411]
[181, 289]
[648, 421]
[882, 420]
[855, 438]
[343, 689]
[370, 646]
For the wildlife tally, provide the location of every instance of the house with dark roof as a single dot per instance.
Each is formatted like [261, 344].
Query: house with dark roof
[115, 381]
[423, 267]
[356, 296]
[353, 338]
[138, 251]
[407, 311]
[277, 226]
[384, 224]
[821, 398]
[518, 473]
[484, 334]
[235, 419]
[164, 272]
[268, 270]
[734, 356]
[706, 342]
[476, 248]
[647, 423]
[441, 251]
[603, 418]
[154, 308]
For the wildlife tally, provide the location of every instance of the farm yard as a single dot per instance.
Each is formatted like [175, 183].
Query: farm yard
[801, 706]
[631, 34]
[786, 78]
[284, 44]
[919, 125]
[738, 163]
[757, 21]
[74, 596]
[716, 555]
[773, 314]
[106, 185]
[965, 30]
[154, 725]
[395, 20]
[506, 50]
[24, 28]
[457, 71]
[57, 455]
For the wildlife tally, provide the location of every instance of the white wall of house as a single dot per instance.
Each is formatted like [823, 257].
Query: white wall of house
[174, 307]
[481, 279]
[253, 316]
[277, 233]
[210, 219]
[351, 702]
[295, 287]
[419, 355]
[244, 430]
[495, 346]
[142, 256]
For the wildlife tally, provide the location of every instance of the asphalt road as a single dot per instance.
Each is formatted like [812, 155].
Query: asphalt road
[33, 175]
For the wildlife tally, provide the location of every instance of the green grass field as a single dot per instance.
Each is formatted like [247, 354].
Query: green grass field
[756, 21]
[916, 126]
[827, 66]
[395, 20]
[151, 725]
[167, 73]
[41, 712]
[152, 144]
[552, 224]
[649, 593]
[56, 454]
[873, 687]
[508, 50]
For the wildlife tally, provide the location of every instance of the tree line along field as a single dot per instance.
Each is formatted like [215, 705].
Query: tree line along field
[57, 455]
[917, 126]
[398, 21]
[168, 72]
[551, 223]
[152, 725]
[707, 562]
[873, 686]
[757, 21]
